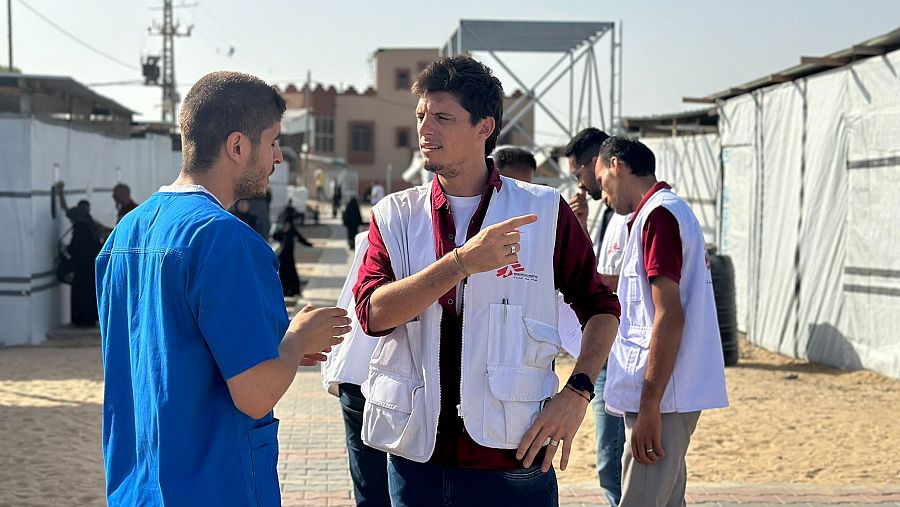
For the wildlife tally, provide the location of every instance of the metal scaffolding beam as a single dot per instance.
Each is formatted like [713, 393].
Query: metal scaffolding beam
[576, 41]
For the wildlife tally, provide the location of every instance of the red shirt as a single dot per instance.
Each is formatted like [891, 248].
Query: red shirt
[661, 238]
[575, 275]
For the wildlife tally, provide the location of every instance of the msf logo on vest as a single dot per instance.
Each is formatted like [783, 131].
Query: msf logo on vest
[516, 271]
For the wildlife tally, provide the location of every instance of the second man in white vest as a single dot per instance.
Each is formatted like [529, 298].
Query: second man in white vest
[666, 363]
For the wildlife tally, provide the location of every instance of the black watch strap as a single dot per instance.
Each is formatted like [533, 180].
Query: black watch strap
[582, 382]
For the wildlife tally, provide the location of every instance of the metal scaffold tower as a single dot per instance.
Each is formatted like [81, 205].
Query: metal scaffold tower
[577, 42]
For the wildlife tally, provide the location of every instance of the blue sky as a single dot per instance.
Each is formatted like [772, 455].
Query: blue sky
[671, 48]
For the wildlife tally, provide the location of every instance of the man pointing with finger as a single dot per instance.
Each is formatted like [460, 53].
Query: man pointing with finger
[459, 282]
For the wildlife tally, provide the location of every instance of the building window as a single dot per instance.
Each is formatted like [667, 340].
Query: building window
[402, 137]
[324, 134]
[402, 81]
[362, 143]
[361, 138]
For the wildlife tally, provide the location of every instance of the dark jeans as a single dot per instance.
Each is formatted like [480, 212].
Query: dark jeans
[429, 484]
[368, 467]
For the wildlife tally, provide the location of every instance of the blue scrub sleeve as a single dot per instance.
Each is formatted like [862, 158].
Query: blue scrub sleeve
[239, 304]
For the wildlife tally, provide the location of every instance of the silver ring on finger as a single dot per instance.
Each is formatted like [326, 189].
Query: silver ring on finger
[512, 249]
[648, 450]
[553, 442]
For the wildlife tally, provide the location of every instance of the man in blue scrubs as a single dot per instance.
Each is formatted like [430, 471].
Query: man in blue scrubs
[197, 345]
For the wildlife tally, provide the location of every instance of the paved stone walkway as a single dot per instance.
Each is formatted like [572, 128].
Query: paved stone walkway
[313, 455]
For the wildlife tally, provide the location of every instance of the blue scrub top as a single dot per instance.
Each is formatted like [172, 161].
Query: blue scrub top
[189, 296]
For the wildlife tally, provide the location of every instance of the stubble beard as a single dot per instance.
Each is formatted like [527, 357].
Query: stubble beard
[252, 183]
[447, 171]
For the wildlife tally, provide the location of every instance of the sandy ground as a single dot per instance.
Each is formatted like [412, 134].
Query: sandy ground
[50, 408]
[789, 422]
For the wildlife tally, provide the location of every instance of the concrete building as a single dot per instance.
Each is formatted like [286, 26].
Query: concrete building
[372, 132]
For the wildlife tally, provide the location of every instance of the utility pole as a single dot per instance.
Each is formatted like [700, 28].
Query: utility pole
[307, 103]
[9, 31]
[168, 31]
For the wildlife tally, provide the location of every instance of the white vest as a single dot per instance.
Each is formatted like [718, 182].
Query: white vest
[509, 336]
[698, 379]
[348, 361]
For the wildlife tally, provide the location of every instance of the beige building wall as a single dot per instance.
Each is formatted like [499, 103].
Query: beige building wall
[384, 113]
[391, 63]
[385, 118]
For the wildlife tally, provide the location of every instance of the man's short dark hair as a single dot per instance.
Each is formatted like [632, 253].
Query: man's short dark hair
[472, 83]
[221, 103]
[512, 156]
[586, 144]
[631, 151]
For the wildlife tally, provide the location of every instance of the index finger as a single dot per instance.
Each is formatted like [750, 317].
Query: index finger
[515, 222]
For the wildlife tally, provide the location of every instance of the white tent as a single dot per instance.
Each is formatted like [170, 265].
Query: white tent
[807, 209]
[691, 165]
[32, 155]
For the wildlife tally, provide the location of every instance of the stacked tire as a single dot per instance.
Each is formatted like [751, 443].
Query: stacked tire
[722, 272]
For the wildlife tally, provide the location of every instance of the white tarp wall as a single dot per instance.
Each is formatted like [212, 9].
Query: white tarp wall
[32, 155]
[691, 165]
[810, 214]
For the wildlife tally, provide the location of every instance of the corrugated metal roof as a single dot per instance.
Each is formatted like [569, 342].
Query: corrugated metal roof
[61, 84]
[877, 45]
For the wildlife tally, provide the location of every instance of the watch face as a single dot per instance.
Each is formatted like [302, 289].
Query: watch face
[581, 382]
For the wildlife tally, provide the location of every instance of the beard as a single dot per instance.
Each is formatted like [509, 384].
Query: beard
[252, 183]
[447, 171]
[250, 186]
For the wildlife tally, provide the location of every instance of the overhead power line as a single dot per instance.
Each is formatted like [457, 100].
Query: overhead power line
[75, 38]
[117, 83]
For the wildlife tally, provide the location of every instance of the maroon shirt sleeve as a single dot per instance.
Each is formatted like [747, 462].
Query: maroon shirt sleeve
[374, 272]
[575, 270]
[662, 245]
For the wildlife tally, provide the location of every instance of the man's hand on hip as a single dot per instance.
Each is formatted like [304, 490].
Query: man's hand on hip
[495, 246]
[556, 424]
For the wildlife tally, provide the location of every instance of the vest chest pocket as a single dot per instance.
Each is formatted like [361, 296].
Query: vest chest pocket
[506, 331]
[631, 282]
[544, 343]
[516, 340]
[637, 318]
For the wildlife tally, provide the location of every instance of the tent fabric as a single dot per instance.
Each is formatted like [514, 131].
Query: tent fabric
[808, 211]
[871, 288]
[691, 165]
[34, 155]
[824, 224]
[737, 124]
[775, 316]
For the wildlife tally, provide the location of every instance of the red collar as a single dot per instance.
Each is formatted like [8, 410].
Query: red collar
[659, 185]
[439, 199]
